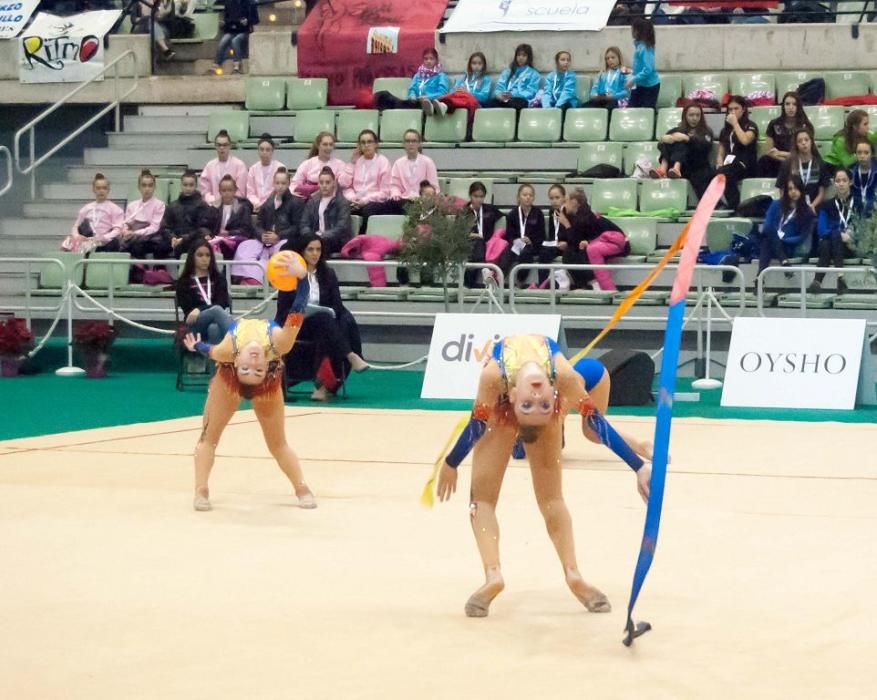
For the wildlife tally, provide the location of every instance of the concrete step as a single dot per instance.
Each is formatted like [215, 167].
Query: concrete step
[180, 111]
[139, 157]
[37, 231]
[200, 65]
[193, 124]
[279, 127]
[65, 209]
[149, 140]
[280, 15]
[82, 174]
[66, 190]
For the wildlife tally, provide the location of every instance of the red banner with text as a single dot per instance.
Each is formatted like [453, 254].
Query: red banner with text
[352, 42]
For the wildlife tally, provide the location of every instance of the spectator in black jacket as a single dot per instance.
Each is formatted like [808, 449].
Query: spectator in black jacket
[238, 19]
[277, 222]
[484, 218]
[328, 326]
[525, 231]
[590, 240]
[230, 222]
[183, 217]
[202, 295]
[327, 215]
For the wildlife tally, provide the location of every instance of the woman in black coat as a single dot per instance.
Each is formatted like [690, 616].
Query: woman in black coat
[327, 215]
[329, 328]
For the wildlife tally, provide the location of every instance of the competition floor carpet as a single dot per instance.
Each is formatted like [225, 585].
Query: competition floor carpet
[112, 587]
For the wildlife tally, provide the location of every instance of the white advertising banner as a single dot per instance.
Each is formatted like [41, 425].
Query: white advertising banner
[14, 15]
[794, 363]
[529, 15]
[64, 49]
[461, 342]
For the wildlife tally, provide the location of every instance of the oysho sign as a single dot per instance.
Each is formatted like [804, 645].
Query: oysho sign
[529, 15]
[65, 49]
[461, 342]
[14, 15]
[795, 363]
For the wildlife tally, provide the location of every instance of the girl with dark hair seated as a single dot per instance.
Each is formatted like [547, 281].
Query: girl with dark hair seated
[328, 325]
[685, 150]
[202, 294]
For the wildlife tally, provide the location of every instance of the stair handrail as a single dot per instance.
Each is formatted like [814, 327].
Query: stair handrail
[8, 158]
[30, 127]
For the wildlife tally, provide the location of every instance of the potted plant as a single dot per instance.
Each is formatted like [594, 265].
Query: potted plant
[93, 338]
[15, 339]
[435, 239]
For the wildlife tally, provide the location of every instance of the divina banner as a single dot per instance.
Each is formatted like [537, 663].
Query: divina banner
[14, 15]
[64, 49]
[529, 15]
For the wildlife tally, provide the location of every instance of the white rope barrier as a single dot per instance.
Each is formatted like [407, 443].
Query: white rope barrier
[119, 316]
[51, 330]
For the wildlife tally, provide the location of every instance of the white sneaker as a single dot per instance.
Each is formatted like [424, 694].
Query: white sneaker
[441, 108]
[427, 107]
[488, 277]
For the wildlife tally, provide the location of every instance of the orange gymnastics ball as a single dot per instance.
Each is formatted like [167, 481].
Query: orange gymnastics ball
[279, 275]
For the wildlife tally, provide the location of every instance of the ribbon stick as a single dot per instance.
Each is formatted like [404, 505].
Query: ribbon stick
[666, 386]
[427, 498]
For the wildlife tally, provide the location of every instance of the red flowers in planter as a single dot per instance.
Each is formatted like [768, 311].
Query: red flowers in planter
[95, 335]
[14, 337]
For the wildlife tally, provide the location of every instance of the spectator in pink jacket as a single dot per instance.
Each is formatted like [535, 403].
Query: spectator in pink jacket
[141, 233]
[98, 224]
[260, 178]
[410, 171]
[367, 178]
[224, 164]
[307, 175]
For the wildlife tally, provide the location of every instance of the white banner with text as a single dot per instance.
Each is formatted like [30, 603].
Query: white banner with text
[529, 16]
[461, 342]
[796, 363]
[65, 49]
[14, 15]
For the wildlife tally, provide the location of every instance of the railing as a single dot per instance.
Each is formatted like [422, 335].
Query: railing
[827, 12]
[33, 266]
[30, 128]
[801, 272]
[8, 158]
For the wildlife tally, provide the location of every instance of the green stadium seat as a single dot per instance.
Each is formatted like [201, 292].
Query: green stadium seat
[306, 93]
[583, 88]
[539, 125]
[494, 125]
[593, 154]
[585, 125]
[53, 277]
[309, 123]
[720, 232]
[236, 122]
[863, 302]
[811, 301]
[827, 121]
[352, 121]
[668, 118]
[642, 233]
[671, 90]
[620, 193]
[632, 124]
[100, 277]
[386, 225]
[395, 122]
[395, 86]
[663, 194]
[762, 116]
[634, 151]
[206, 28]
[448, 129]
[459, 187]
[754, 186]
[747, 84]
[716, 83]
[265, 94]
[846, 84]
[789, 82]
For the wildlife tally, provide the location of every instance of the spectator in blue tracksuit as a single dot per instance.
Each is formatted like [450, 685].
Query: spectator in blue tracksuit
[559, 88]
[429, 83]
[519, 83]
[835, 229]
[788, 226]
[471, 91]
[645, 83]
[609, 90]
[863, 178]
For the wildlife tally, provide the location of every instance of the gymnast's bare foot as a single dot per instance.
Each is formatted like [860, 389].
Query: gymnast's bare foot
[202, 500]
[479, 602]
[644, 449]
[306, 498]
[593, 599]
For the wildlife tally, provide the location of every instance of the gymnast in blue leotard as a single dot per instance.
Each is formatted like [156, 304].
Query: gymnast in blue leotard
[525, 391]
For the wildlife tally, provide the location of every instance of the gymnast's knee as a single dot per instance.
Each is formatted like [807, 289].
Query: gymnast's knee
[554, 513]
